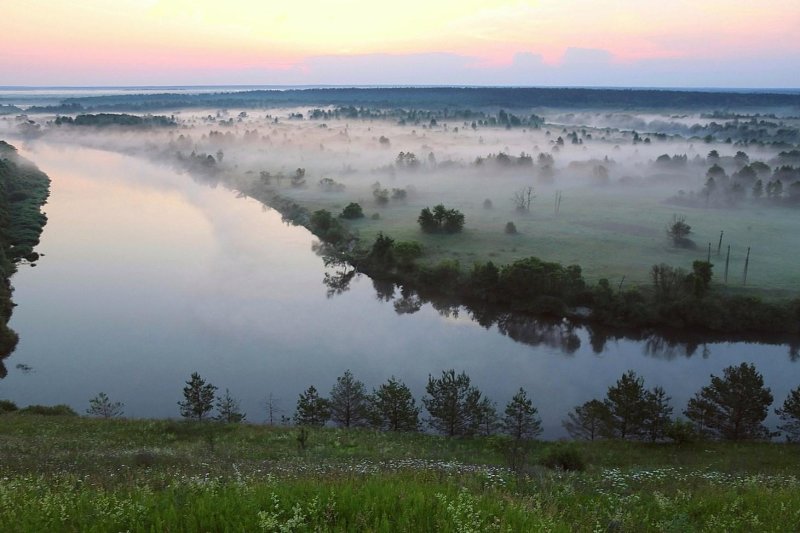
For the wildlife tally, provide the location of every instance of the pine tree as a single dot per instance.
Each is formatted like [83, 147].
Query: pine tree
[453, 404]
[626, 403]
[311, 409]
[487, 420]
[101, 406]
[732, 407]
[588, 421]
[198, 398]
[394, 408]
[658, 414]
[349, 405]
[789, 414]
[521, 419]
[229, 409]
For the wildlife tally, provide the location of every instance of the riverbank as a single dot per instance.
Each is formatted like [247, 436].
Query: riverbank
[24, 189]
[65, 473]
[687, 301]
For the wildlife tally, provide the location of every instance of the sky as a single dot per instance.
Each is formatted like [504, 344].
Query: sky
[647, 43]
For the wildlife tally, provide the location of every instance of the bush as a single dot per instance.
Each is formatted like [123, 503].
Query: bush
[511, 228]
[49, 410]
[681, 431]
[7, 406]
[566, 458]
[407, 251]
[352, 211]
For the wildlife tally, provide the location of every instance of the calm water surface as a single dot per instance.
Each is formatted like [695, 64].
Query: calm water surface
[148, 277]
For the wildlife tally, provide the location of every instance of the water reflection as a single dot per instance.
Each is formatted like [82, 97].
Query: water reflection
[560, 334]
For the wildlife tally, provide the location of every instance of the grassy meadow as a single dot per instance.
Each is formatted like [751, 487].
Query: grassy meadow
[62, 473]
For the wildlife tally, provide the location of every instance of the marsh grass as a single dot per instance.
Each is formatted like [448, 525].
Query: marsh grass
[79, 474]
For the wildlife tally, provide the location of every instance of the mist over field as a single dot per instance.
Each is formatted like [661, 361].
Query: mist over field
[593, 187]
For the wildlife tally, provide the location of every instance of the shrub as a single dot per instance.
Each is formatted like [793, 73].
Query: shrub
[407, 251]
[352, 211]
[681, 431]
[566, 458]
[49, 410]
[7, 406]
[511, 228]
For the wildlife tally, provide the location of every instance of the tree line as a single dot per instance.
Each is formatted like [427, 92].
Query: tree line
[731, 407]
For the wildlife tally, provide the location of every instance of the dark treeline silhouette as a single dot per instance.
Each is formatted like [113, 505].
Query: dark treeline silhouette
[116, 119]
[436, 97]
[731, 407]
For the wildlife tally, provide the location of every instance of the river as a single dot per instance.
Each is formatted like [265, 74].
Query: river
[148, 276]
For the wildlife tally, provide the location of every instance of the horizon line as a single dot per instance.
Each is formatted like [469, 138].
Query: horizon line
[400, 86]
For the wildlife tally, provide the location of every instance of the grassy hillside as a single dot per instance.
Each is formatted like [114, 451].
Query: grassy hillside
[63, 473]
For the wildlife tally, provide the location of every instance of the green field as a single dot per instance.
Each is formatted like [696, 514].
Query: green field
[63, 473]
[606, 231]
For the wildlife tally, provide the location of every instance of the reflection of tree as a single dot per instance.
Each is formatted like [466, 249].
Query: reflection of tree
[446, 309]
[669, 347]
[558, 334]
[384, 289]
[483, 315]
[338, 282]
[662, 347]
[794, 351]
[408, 303]
[598, 337]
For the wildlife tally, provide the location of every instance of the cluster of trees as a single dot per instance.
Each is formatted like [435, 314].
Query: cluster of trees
[329, 228]
[101, 120]
[731, 407]
[454, 405]
[382, 195]
[390, 407]
[441, 220]
[731, 179]
[504, 160]
[331, 185]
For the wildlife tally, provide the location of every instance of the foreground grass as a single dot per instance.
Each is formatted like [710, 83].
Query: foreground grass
[76, 474]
